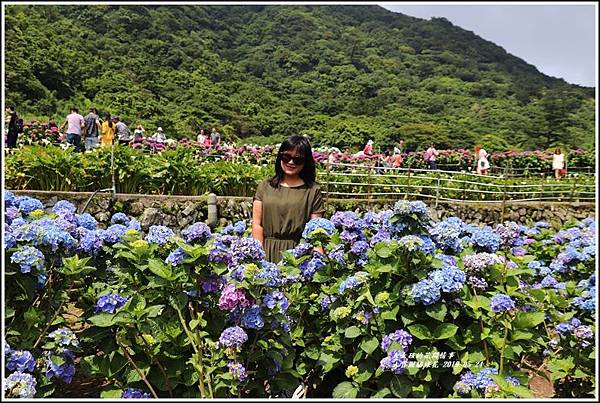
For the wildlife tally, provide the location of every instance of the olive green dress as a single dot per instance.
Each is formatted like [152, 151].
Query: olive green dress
[285, 212]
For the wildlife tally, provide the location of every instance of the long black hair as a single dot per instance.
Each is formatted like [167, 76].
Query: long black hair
[308, 172]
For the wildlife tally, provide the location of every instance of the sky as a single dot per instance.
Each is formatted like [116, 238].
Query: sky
[558, 39]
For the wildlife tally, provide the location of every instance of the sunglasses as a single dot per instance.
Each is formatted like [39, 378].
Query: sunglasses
[299, 160]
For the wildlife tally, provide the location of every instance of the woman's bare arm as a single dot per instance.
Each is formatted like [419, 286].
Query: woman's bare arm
[257, 228]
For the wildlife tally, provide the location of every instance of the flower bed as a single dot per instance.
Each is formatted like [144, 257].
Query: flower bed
[397, 306]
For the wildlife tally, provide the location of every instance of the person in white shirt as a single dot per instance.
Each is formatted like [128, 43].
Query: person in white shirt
[558, 163]
[201, 137]
[159, 136]
[482, 161]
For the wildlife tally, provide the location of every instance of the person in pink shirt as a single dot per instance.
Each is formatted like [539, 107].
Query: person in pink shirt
[74, 123]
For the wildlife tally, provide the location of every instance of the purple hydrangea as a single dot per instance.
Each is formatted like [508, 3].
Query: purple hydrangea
[478, 282]
[327, 301]
[381, 236]
[64, 371]
[359, 248]
[114, 233]
[232, 337]
[20, 360]
[132, 393]
[302, 249]
[246, 250]
[583, 332]
[480, 261]
[176, 257]
[237, 370]
[91, 242]
[401, 336]
[212, 284]
[110, 303]
[394, 362]
[232, 298]
[197, 232]
[501, 303]
[509, 233]
[159, 234]
[276, 299]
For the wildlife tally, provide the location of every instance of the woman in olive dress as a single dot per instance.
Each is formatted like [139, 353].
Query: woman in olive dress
[285, 203]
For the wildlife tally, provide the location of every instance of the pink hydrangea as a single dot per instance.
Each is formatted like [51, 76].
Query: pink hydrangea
[232, 298]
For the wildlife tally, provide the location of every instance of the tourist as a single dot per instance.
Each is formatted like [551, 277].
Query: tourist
[430, 156]
[74, 123]
[159, 136]
[368, 150]
[482, 161]
[285, 203]
[108, 131]
[139, 133]
[558, 164]
[122, 132]
[92, 129]
[215, 137]
[201, 137]
[12, 130]
[399, 149]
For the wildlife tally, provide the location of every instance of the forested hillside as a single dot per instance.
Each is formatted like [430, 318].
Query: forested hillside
[341, 74]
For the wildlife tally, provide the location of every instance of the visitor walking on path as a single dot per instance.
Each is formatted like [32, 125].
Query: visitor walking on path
[74, 123]
[483, 165]
[92, 129]
[12, 132]
[122, 131]
[108, 131]
[558, 164]
[215, 137]
[285, 203]
[430, 156]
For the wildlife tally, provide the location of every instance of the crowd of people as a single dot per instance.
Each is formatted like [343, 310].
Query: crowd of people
[90, 131]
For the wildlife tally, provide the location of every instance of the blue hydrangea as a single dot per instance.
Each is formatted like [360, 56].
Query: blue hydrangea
[348, 220]
[134, 224]
[64, 205]
[428, 246]
[501, 303]
[302, 249]
[159, 234]
[20, 385]
[411, 243]
[512, 380]
[310, 266]
[28, 204]
[359, 248]
[350, 236]
[120, 218]
[246, 250]
[425, 292]
[510, 233]
[132, 393]
[484, 378]
[252, 318]
[20, 360]
[233, 337]
[110, 303]
[276, 299]
[269, 274]
[381, 236]
[9, 240]
[395, 362]
[86, 221]
[327, 301]
[64, 371]
[64, 337]
[235, 229]
[447, 234]
[449, 279]
[350, 283]
[316, 227]
[220, 252]
[11, 214]
[564, 327]
[28, 258]
[91, 242]
[9, 199]
[197, 232]
[176, 257]
[338, 255]
[401, 336]
[485, 239]
[57, 239]
[114, 233]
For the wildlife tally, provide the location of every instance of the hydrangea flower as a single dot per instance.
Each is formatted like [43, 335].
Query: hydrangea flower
[269, 274]
[252, 319]
[318, 228]
[20, 385]
[197, 232]
[9, 199]
[276, 299]
[381, 236]
[480, 261]
[394, 362]
[237, 370]
[510, 233]
[411, 243]
[447, 234]
[232, 298]
[449, 279]
[485, 239]
[327, 301]
[176, 257]
[232, 337]
[114, 233]
[20, 360]
[237, 229]
[401, 336]
[64, 205]
[425, 292]
[310, 266]
[212, 284]
[120, 218]
[501, 303]
[64, 337]
[246, 250]
[302, 249]
[159, 234]
[110, 303]
[64, 371]
[28, 258]
[359, 248]
[87, 221]
[132, 393]
[28, 204]
[351, 282]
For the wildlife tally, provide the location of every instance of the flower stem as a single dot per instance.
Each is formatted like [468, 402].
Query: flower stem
[503, 347]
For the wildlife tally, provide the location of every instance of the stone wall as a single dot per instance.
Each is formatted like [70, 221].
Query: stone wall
[181, 211]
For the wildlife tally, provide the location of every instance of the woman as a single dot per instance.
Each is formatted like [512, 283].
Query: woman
[139, 133]
[108, 131]
[285, 203]
[558, 163]
[482, 162]
[201, 137]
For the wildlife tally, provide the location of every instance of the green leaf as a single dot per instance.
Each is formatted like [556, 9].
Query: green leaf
[400, 386]
[352, 332]
[384, 251]
[437, 311]
[345, 390]
[153, 310]
[160, 269]
[369, 345]
[420, 332]
[103, 319]
[528, 319]
[111, 393]
[381, 393]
